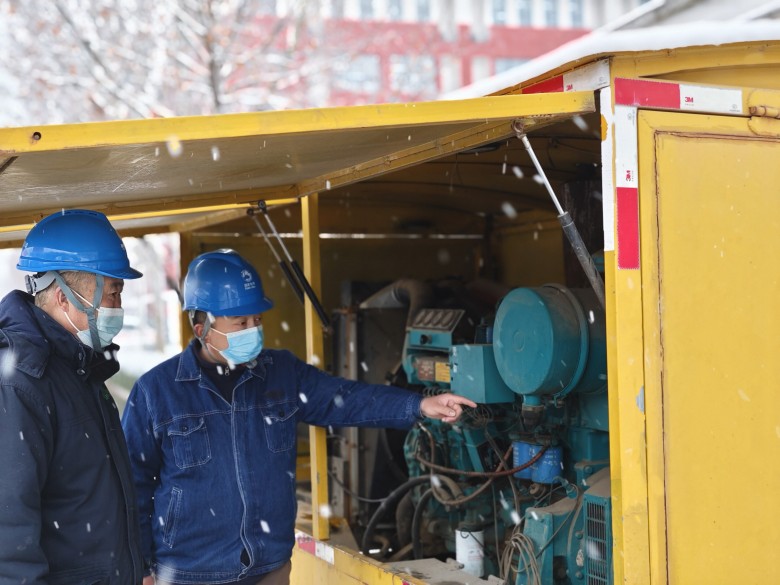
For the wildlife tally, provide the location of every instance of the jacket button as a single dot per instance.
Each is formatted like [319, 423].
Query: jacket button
[80, 372]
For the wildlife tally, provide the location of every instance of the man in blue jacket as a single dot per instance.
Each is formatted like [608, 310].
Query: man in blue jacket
[67, 504]
[212, 434]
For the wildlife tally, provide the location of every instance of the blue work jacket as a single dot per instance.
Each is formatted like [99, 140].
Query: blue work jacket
[67, 504]
[216, 479]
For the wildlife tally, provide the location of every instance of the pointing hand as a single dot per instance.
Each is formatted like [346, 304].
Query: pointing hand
[446, 407]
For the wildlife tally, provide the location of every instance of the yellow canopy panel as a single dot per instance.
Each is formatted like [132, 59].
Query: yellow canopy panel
[170, 166]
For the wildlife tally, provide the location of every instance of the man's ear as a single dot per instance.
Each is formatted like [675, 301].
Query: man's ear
[198, 329]
[60, 298]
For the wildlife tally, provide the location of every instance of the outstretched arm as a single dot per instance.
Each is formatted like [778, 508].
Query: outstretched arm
[446, 407]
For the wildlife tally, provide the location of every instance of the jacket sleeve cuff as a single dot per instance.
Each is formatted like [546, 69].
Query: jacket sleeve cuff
[417, 409]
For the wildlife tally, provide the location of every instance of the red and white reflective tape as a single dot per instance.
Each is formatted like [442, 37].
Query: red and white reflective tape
[644, 93]
[626, 213]
[630, 95]
[314, 547]
[591, 76]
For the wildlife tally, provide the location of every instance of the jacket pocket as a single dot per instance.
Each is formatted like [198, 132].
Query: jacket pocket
[169, 529]
[190, 441]
[280, 425]
[89, 575]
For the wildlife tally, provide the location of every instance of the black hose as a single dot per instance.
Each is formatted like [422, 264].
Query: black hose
[390, 501]
[418, 514]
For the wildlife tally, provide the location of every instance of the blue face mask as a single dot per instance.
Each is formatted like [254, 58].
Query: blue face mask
[109, 323]
[243, 346]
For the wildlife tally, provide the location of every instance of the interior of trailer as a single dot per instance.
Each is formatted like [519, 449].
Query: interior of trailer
[453, 211]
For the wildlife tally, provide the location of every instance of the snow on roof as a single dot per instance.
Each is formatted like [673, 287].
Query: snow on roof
[601, 42]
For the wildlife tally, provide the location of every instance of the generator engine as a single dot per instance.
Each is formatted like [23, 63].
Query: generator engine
[518, 488]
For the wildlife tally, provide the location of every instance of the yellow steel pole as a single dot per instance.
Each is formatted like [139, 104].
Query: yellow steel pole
[315, 355]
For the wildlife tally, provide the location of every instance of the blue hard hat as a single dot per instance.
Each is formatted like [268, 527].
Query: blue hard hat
[224, 284]
[76, 239]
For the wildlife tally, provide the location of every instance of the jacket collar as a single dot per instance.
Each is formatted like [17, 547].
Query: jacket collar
[189, 369]
[32, 336]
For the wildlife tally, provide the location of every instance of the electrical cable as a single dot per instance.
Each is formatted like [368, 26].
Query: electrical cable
[523, 546]
[417, 521]
[385, 506]
[497, 473]
[353, 494]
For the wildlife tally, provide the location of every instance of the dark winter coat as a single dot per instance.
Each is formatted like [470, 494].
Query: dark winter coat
[67, 504]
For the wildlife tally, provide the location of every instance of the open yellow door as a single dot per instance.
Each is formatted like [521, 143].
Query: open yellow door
[710, 215]
[172, 165]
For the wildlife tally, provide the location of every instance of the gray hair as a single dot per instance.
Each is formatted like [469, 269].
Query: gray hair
[77, 280]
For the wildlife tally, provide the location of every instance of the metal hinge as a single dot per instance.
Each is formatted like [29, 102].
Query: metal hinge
[764, 108]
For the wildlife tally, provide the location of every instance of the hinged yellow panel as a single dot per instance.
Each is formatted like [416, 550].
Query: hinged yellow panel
[710, 284]
[136, 166]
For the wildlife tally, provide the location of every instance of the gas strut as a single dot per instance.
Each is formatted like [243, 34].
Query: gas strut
[569, 228]
[282, 263]
[295, 277]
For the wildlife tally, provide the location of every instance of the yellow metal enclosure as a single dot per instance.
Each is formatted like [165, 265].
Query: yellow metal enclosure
[680, 198]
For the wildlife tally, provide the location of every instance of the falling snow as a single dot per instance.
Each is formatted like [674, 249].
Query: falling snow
[580, 122]
[8, 363]
[592, 550]
[174, 146]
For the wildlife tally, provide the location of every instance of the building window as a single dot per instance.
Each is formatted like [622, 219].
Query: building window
[575, 7]
[423, 10]
[524, 15]
[499, 12]
[367, 9]
[413, 75]
[337, 9]
[360, 75]
[394, 9]
[551, 13]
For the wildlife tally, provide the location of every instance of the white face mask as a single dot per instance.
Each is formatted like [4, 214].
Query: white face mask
[109, 322]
